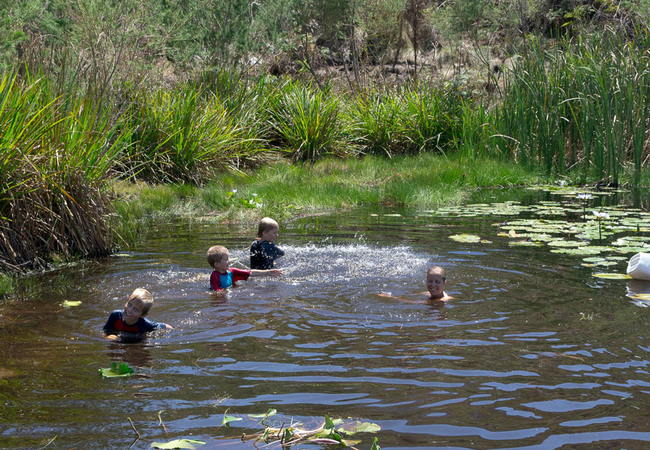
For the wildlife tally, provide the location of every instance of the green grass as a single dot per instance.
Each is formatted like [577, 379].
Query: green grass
[283, 189]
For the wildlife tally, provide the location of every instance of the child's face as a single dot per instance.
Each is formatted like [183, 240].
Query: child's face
[222, 266]
[270, 235]
[132, 312]
[435, 284]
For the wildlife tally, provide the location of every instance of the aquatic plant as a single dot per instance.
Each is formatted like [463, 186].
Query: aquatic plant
[330, 432]
[376, 121]
[180, 136]
[582, 102]
[58, 152]
[117, 370]
[187, 444]
[306, 123]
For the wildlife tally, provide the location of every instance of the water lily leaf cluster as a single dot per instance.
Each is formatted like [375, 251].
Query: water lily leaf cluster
[469, 238]
[567, 226]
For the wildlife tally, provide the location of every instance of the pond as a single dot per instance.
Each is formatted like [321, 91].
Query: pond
[533, 352]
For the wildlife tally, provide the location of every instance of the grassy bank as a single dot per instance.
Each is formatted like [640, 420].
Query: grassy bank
[284, 189]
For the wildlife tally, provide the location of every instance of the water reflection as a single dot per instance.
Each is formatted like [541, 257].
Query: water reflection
[531, 353]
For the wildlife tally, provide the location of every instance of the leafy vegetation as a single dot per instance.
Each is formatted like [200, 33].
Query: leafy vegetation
[198, 92]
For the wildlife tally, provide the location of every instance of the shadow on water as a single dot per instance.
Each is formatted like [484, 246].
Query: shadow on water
[533, 353]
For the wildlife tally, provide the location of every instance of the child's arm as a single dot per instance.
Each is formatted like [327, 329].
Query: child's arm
[387, 295]
[109, 337]
[107, 330]
[266, 273]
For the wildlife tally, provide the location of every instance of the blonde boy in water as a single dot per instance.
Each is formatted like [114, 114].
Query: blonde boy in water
[131, 320]
[225, 276]
[436, 280]
[263, 250]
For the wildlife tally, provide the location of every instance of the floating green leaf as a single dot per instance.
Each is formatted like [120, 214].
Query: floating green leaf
[351, 428]
[117, 369]
[601, 264]
[613, 276]
[644, 296]
[563, 243]
[583, 250]
[329, 431]
[189, 444]
[375, 445]
[70, 303]
[269, 413]
[227, 419]
[468, 238]
[525, 244]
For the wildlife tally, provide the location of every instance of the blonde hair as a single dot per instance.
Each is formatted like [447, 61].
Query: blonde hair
[265, 225]
[216, 253]
[144, 298]
[438, 270]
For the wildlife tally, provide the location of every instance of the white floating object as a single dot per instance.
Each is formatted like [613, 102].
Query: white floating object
[639, 266]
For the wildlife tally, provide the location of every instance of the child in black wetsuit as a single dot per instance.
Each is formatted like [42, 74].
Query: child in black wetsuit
[263, 250]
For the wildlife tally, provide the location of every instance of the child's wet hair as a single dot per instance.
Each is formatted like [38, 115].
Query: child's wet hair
[438, 270]
[265, 225]
[144, 298]
[216, 253]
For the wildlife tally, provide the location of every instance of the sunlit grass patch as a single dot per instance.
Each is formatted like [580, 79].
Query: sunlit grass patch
[6, 285]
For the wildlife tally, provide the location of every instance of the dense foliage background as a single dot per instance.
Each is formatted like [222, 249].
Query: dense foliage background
[185, 91]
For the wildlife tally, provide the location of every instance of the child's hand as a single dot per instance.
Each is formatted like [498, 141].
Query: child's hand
[111, 337]
[275, 272]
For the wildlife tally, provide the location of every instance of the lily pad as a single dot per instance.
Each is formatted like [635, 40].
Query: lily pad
[525, 244]
[468, 238]
[117, 369]
[612, 276]
[600, 264]
[351, 428]
[563, 243]
[189, 444]
[71, 303]
[583, 251]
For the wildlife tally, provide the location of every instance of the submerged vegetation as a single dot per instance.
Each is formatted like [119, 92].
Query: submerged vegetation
[231, 109]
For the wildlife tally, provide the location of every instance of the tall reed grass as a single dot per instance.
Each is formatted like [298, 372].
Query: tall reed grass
[583, 102]
[182, 135]
[306, 122]
[56, 154]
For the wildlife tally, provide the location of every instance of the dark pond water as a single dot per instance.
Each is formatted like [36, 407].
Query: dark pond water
[534, 352]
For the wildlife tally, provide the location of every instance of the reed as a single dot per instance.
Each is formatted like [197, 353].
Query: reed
[432, 116]
[376, 122]
[306, 122]
[580, 103]
[57, 152]
[183, 135]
